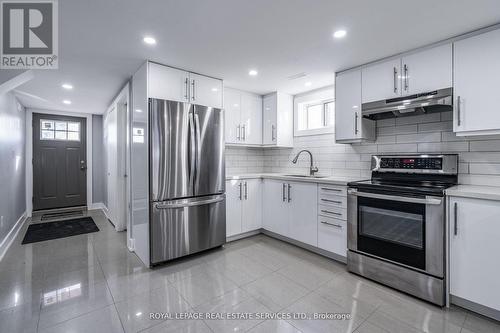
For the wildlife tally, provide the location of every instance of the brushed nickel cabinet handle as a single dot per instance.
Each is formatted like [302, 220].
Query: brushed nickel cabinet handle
[193, 85]
[355, 123]
[455, 226]
[246, 191]
[186, 86]
[334, 201]
[283, 192]
[332, 224]
[238, 132]
[395, 73]
[240, 196]
[407, 85]
[459, 121]
[289, 194]
[330, 212]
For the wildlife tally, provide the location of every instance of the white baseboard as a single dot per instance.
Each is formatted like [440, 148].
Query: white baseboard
[9, 238]
[96, 205]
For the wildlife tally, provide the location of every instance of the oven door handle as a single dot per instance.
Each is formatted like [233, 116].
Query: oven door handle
[425, 201]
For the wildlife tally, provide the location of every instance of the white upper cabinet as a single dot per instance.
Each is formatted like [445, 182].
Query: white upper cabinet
[349, 124]
[381, 81]
[427, 70]
[205, 90]
[476, 88]
[232, 106]
[415, 73]
[278, 120]
[251, 118]
[474, 233]
[177, 85]
[243, 117]
[168, 83]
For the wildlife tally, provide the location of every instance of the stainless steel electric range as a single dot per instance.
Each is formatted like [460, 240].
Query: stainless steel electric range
[396, 223]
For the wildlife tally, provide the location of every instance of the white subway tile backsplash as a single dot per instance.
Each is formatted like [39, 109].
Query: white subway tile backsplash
[431, 133]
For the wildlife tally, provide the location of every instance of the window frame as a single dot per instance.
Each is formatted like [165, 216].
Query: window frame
[323, 96]
[54, 130]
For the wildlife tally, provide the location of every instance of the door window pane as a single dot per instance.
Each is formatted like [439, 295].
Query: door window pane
[73, 127]
[47, 125]
[73, 136]
[47, 135]
[61, 135]
[61, 126]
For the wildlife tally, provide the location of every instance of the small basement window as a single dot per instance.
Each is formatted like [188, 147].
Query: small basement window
[59, 130]
[314, 112]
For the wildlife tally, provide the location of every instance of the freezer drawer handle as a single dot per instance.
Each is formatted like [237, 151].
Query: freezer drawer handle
[189, 204]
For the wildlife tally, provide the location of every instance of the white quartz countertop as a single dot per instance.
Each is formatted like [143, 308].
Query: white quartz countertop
[334, 180]
[475, 191]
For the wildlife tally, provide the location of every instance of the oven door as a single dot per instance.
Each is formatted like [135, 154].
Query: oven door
[401, 229]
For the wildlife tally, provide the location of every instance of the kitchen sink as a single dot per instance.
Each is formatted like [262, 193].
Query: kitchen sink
[306, 176]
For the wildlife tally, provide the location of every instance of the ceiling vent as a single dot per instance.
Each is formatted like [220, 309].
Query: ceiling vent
[297, 76]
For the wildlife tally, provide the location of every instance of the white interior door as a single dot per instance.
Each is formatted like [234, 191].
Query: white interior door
[111, 162]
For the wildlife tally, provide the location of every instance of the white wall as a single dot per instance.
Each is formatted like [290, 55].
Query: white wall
[12, 163]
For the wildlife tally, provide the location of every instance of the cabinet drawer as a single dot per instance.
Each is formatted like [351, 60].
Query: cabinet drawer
[331, 190]
[333, 201]
[333, 212]
[332, 235]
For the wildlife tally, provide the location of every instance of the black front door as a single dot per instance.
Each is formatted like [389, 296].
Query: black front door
[59, 161]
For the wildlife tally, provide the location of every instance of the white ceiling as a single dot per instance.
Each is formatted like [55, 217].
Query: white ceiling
[101, 41]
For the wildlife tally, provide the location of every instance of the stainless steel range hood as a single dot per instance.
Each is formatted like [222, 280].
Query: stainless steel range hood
[429, 102]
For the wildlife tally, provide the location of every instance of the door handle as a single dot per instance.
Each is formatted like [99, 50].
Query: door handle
[83, 166]
[395, 73]
[424, 201]
[283, 192]
[193, 85]
[192, 158]
[455, 224]
[459, 121]
[289, 194]
[246, 191]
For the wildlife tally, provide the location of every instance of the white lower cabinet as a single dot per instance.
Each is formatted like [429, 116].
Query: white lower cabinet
[243, 206]
[303, 203]
[290, 209]
[474, 226]
[332, 235]
[332, 218]
[275, 206]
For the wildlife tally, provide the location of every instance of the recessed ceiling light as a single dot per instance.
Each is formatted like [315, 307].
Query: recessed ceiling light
[339, 34]
[215, 89]
[67, 102]
[138, 110]
[253, 72]
[67, 86]
[149, 40]
[308, 84]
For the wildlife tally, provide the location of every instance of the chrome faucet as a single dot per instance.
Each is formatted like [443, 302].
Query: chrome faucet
[312, 169]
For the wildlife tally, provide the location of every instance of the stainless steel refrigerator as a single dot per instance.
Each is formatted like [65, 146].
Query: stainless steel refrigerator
[187, 179]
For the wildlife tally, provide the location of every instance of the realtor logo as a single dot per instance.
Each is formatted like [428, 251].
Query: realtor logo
[29, 36]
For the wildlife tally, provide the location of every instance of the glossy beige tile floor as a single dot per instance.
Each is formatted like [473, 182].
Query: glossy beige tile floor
[92, 283]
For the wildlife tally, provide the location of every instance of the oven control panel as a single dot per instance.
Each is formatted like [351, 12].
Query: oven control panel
[434, 163]
[429, 163]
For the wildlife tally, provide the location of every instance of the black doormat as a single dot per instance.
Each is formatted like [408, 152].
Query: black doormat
[40, 232]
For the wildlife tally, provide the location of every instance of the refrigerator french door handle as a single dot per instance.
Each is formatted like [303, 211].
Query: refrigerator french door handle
[198, 150]
[192, 150]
